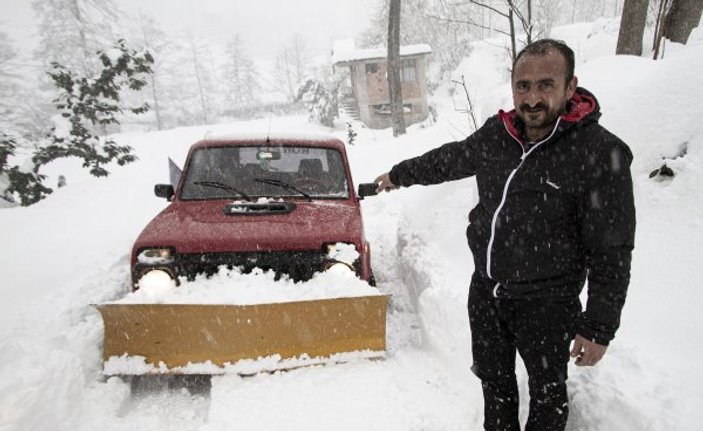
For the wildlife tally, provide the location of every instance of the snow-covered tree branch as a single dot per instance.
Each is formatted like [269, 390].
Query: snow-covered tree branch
[85, 104]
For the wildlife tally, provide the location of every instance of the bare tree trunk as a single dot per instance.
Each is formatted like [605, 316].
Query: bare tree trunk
[513, 47]
[198, 77]
[152, 80]
[529, 21]
[76, 11]
[525, 21]
[659, 26]
[157, 108]
[289, 77]
[394, 88]
[682, 18]
[512, 12]
[634, 16]
[300, 60]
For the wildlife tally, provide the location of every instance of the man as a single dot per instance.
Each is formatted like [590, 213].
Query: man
[555, 208]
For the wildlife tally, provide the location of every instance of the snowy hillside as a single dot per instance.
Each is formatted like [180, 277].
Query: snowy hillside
[72, 250]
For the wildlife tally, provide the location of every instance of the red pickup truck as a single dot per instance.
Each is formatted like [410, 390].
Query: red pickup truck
[285, 204]
[282, 204]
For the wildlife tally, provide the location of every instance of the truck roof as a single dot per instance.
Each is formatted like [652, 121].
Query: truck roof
[288, 139]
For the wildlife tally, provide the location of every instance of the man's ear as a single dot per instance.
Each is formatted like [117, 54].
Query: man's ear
[571, 87]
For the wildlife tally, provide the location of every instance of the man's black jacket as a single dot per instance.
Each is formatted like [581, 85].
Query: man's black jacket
[550, 214]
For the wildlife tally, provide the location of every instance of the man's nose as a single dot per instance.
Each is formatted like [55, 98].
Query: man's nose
[533, 97]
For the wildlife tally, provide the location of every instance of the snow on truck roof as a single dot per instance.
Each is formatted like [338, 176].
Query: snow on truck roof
[295, 139]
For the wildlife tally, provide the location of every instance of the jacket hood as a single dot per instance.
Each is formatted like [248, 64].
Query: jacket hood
[582, 107]
[583, 104]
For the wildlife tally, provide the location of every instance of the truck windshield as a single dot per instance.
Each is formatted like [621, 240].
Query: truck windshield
[261, 171]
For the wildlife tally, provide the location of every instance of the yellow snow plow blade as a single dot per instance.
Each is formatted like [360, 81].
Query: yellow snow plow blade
[179, 334]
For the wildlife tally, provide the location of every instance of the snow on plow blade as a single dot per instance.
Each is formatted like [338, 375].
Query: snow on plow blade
[172, 336]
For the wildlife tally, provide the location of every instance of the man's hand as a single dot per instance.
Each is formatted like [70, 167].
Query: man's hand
[384, 183]
[587, 353]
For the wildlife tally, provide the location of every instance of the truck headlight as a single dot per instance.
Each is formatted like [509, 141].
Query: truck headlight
[341, 257]
[339, 268]
[342, 252]
[155, 256]
[156, 279]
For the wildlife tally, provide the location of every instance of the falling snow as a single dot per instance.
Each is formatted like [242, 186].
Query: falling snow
[72, 250]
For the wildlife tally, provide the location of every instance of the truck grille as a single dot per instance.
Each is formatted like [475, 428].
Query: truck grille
[298, 265]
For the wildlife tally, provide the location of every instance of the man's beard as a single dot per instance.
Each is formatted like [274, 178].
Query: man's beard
[539, 116]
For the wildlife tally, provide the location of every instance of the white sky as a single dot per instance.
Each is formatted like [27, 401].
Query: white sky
[264, 25]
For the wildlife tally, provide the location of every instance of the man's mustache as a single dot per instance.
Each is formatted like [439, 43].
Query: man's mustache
[537, 107]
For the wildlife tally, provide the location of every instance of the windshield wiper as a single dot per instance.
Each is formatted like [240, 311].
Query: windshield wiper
[223, 186]
[283, 185]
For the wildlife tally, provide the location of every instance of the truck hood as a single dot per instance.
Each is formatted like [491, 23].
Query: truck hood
[204, 227]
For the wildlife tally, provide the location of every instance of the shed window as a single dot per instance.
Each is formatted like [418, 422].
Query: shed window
[371, 68]
[407, 71]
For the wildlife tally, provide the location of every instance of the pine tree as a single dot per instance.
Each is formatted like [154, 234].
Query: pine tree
[322, 104]
[240, 78]
[71, 31]
[292, 67]
[8, 82]
[153, 39]
[192, 93]
[22, 111]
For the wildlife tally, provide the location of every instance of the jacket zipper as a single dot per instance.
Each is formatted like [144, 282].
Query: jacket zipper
[505, 190]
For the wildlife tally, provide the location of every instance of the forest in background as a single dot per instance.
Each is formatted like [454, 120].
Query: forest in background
[98, 70]
[196, 81]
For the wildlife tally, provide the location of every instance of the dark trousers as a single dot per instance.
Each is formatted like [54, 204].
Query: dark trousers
[540, 330]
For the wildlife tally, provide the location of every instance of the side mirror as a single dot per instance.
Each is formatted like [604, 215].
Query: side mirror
[367, 189]
[164, 191]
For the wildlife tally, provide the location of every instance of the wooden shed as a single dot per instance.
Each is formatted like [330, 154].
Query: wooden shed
[365, 93]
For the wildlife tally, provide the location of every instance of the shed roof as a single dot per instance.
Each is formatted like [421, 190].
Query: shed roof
[343, 53]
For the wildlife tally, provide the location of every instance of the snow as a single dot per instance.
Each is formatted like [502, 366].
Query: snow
[136, 365]
[231, 286]
[345, 52]
[114, 55]
[345, 253]
[306, 135]
[72, 250]
[62, 127]
[155, 286]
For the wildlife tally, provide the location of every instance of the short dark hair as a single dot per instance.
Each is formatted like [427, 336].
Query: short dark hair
[543, 47]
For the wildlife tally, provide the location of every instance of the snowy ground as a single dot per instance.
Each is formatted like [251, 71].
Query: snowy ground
[72, 250]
